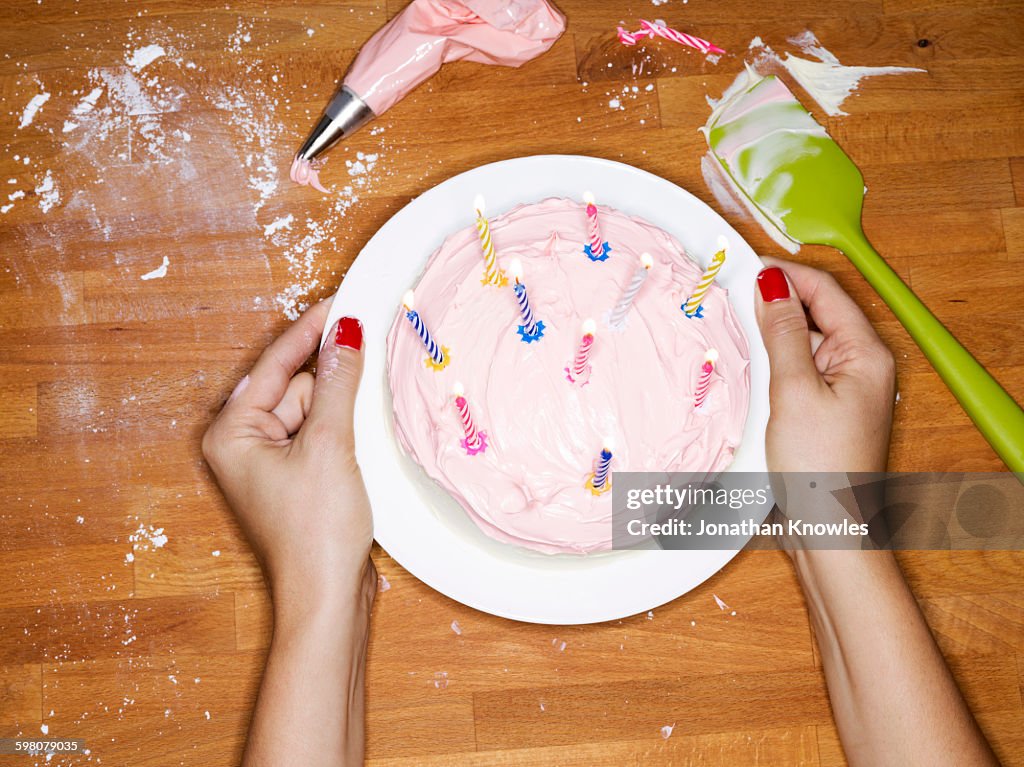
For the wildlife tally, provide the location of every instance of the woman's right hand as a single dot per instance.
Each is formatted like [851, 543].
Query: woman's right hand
[832, 392]
[893, 697]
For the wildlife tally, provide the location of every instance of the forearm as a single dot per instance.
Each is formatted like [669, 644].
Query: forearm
[310, 708]
[893, 697]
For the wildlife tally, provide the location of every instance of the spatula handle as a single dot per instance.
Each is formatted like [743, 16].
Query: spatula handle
[998, 417]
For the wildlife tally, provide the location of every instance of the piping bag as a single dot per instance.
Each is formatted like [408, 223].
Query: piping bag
[791, 170]
[412, 47]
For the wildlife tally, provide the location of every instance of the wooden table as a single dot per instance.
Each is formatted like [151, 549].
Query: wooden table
[132, 613]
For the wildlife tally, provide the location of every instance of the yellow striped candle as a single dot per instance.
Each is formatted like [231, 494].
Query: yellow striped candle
[492, 274]
[692, 304]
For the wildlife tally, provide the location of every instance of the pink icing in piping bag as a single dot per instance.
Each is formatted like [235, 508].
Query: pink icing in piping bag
[413, 46]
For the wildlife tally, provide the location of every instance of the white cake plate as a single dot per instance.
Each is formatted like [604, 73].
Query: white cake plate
[416, 522]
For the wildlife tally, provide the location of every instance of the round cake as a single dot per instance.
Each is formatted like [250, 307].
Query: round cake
[541, 429]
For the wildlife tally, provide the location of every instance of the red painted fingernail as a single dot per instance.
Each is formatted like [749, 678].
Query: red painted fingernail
[772, 284]
[350, 333]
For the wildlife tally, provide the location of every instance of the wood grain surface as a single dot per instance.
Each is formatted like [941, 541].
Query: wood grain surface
[131, 611]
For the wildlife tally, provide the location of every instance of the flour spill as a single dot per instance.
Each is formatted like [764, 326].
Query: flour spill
[32, 108]
[47, 193]
[284, 222]
[159, 273]
[142, 57]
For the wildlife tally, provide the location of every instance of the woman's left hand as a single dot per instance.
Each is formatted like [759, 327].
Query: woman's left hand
[283, 452]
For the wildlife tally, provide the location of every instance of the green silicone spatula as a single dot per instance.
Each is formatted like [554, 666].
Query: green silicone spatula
[799, 179]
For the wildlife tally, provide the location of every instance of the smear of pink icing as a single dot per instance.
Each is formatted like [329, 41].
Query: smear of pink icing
[304, 173]
[529, 487]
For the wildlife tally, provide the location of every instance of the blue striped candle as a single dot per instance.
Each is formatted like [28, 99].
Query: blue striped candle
[435, 352]
[603, 465]
[515, 268]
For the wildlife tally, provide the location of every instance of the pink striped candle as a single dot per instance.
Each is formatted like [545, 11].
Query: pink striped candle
[593, 227]
[475, 442]
[579, 370]
[649, 30]
[704, 382]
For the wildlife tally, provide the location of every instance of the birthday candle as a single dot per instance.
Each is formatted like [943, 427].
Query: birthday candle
[435, 351]
[647, 29]
[618, 314]
[704, 382]
[473, 441]
[515, 268]
[581, 361]
[704, 285]
[602, 465]
[593, 227]
[492, 274]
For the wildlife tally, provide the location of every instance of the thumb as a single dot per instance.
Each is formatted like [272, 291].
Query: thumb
[338, 370]
[783, 328]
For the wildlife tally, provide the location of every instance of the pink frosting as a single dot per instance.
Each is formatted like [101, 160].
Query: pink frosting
[304, 173]
[544, 433]
[428, 33]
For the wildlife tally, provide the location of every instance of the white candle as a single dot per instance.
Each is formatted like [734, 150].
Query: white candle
[618, 315]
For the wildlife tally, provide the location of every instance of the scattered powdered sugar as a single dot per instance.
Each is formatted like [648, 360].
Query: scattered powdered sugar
[215, 553]
[666, 731]
[146, 537]
[252, 115]
[320, 236]
[284, 222]
[441, 680]
[47, 192]
[88, 102]
[617, 98]
[241, 36]
[558, 644]
[363, 163]
[159, 273]
[144, 56]
[137, 109]
[83, 107]
[32, 108]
